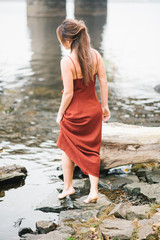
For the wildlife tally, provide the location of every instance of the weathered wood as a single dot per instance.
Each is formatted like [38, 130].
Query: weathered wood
[124, 144]
[12, 173]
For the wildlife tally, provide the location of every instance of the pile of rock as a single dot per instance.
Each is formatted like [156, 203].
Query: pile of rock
[101, 220]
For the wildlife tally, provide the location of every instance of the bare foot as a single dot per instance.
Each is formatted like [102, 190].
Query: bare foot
[66, 192]
[92, 198]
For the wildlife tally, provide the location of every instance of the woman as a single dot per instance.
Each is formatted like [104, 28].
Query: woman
[80, 114]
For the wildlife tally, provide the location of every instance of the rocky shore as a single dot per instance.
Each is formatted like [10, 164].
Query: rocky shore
[128, 207]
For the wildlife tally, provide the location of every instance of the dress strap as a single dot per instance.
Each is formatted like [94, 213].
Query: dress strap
[74, 66]
[96, 62]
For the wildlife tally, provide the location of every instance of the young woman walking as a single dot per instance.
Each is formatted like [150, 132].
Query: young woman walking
[80, 114]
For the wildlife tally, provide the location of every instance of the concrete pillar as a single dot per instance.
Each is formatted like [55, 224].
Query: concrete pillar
[90, 7]
[94, 13]
[46, 8]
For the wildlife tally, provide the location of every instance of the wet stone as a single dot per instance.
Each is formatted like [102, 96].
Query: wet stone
[52, 204]
[153, 176]
[77, 174]
[23, 231]
[148, 175]
[12, 173]
[82, 186]
[141, 174]
[151, 191]
[114, 182]
[45, 226]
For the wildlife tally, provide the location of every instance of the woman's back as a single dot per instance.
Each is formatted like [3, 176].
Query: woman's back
[84, 103]
[76, 68]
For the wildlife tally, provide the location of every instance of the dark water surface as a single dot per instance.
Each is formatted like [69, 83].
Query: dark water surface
[127, 34]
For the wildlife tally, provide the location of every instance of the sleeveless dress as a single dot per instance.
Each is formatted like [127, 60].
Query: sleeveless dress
[81, 127]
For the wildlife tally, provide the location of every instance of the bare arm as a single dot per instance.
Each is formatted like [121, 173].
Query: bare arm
[68, 88]
[103, 88]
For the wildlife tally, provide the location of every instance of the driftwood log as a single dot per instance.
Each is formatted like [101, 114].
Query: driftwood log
[124, 144]
[12, 173]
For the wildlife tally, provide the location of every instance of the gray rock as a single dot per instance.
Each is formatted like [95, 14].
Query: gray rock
[144, 229]
[117, 228]
[126, 210]
[133, 188]
[114, 182]
[155, 218]
[72, 215]
[23, 231]
[120, 210]
[69, 215]
[132, 177]
[81, 185]
[139, 212]
[151, 191]
[12, 173]
[148, 175]
[157, 88]
[102, 201]
[52, 204]
[141, 174]
[45, 226]
[153, 176]
[54, 235]
[146, 226]
[66, 230]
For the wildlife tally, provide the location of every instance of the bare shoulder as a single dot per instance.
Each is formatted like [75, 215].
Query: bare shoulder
[65, 61]
[66, 67]
[98, 54]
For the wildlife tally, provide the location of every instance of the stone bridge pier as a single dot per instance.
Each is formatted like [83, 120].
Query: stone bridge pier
[93, 12]
[43, 17]
[46, 8]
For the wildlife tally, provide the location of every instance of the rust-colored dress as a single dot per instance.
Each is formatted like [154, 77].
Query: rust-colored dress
[81, 127]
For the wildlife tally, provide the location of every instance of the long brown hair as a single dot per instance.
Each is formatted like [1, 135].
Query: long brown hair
[75, 30]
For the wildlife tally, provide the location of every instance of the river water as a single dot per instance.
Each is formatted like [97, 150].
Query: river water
[128, 38]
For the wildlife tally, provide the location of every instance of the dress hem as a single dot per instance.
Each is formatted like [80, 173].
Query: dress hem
[69, 154]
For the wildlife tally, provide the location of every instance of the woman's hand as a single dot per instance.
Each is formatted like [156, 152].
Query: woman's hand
[59, 118]
[106, 114]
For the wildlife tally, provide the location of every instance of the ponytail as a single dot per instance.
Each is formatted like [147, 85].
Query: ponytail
[77, 32]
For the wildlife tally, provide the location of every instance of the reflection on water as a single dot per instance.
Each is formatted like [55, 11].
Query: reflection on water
[126, 34]
[42, 163]
[45, 49]
[94, 16]
[131, 46]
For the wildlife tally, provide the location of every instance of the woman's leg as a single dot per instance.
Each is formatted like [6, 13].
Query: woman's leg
[93, 195]
[68, 168]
